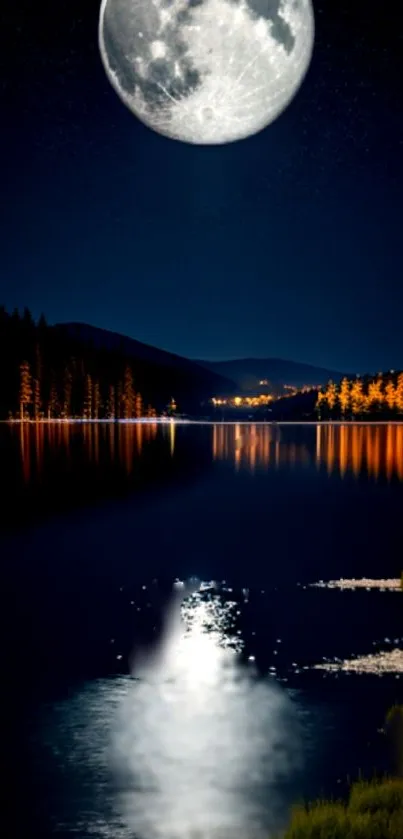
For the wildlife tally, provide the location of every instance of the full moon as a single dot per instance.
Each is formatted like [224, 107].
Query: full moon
[206, 71]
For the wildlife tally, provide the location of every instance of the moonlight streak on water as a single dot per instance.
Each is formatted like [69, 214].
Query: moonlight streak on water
[201, 742]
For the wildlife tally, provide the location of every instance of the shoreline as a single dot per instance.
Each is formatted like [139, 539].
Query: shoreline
[175, 421]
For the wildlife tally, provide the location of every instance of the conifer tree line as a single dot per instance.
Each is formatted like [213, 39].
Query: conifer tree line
[363, 397]
[45, 375]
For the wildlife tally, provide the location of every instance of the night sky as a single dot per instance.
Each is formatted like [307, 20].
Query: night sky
[285, 244]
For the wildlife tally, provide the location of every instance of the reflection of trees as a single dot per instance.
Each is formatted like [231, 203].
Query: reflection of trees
[257, 446]
[375, 450]
[50, 468]
[63, 465]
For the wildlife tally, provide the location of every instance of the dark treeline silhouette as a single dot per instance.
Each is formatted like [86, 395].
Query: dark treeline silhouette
[45, 374]
[300, 407]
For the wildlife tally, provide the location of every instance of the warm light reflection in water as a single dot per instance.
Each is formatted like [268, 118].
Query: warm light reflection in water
[172, 432]
[374, 450]
[123, 442]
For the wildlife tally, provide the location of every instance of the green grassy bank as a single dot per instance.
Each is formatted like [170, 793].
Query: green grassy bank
[374, 809]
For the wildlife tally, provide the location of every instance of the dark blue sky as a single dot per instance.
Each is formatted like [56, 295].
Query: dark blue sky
[285, 244]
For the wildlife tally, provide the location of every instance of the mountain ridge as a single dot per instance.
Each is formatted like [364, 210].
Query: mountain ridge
[176, 375]
[228, 376]
[247, 373]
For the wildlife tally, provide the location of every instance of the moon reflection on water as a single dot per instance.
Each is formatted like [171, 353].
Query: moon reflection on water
[192, 745]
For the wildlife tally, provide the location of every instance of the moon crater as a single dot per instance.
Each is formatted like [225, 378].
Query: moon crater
[206, 71]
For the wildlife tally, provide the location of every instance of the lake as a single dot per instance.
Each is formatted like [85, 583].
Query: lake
[121, 721]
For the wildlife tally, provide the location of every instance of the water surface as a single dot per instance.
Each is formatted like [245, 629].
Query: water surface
[98, 521]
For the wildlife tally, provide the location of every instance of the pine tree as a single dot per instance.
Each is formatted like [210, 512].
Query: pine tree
[331, 396]
[67, 392]
[375, 394]
[15, 321]
[96, 400]
[37, 382]
[128, 393]
[321, 404]
[87, 413]
[25, 387]
[27, 319]
[139, 405]
[42, 324]
[37, 399]
[111, 403]
[151, 412]
[357, 397]
[399, 393]
[390, 394]
[38, 363]
[344, 396]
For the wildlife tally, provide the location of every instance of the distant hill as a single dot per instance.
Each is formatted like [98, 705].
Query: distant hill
[247, 373]
[162, 374]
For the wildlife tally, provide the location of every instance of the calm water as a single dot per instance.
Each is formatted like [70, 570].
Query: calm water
[120, 720]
